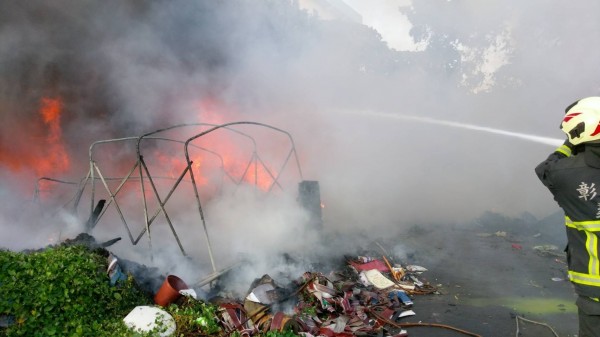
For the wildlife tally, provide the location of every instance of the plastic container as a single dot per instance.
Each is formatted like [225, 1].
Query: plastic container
[146, 319]
[169, 290]
[402, 296]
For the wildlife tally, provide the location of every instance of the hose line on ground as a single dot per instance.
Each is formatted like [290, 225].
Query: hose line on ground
[517, 318]
[433, 325]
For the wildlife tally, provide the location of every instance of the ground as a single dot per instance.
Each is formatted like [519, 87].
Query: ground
[489, 274]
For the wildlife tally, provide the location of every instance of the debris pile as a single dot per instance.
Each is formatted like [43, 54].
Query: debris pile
[365, 296]
[369, 296]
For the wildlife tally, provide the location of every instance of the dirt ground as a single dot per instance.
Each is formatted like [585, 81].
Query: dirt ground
[490, 275]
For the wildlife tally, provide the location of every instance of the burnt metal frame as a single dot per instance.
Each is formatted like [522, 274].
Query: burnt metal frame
[140, 164]
[254, 157]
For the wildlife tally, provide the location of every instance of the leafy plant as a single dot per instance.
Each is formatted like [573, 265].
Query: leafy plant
[64, 291]
[194, 318]
[285, 333]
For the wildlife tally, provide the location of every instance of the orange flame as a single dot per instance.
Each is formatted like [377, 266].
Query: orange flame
[27, 152]
[56, 160]
[233, 158]
[234, 162]
[174, 166]
[259, 176]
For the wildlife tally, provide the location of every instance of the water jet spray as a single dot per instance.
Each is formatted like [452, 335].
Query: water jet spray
[537, 139]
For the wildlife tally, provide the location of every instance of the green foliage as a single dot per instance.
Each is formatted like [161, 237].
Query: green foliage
[194, 318]
[285, 333]
[64, 291]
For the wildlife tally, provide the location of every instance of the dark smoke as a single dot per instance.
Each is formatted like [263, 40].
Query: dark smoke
[123, 68]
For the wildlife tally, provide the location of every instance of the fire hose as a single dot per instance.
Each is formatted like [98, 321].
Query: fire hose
[432, 325]
[517, 318]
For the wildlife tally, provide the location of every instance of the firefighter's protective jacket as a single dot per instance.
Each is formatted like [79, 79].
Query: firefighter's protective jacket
[573, 177]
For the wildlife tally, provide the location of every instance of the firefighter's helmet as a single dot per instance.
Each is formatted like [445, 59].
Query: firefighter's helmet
[582, 121]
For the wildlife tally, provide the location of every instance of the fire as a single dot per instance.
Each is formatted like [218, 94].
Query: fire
[41, 148]
[219, 157]
[56, 159]
[235, 165]
[173, 166]
[235, 162]
[257, 174]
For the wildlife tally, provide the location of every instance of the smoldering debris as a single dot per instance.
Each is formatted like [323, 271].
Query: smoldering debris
[386, 286]
[362, 295]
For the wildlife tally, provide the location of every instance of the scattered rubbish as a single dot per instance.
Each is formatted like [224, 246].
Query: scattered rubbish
[537, 235]
[93, 219]
[516, 246]
[170, 290]
[189, 293]
[548, 250]
[115, 274]
[365, 259]
[401, 296]
[150, 319]
[262, 294]
[398, 273]
[415, 281]
[557, 279]
[545, 248]
[343, 303]
[407, 313]
[501, 234]
[371, 264]
[6, 321]
[415, 269]
[110, 242]
[364, 280]
[377, 279]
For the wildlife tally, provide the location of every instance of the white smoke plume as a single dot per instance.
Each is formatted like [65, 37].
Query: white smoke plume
[122, 68]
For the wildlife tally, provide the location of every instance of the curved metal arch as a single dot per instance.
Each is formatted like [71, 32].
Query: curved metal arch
[189, 163]
[188, 144]
[138, 164]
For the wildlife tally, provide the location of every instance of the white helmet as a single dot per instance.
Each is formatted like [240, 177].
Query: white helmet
[582, 121]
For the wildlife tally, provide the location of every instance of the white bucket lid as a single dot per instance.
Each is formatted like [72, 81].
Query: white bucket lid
[144, 319]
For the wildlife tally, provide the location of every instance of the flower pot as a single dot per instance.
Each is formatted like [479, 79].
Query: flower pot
[169, 290]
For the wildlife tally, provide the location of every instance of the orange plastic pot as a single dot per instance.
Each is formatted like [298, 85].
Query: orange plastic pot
[169, 290]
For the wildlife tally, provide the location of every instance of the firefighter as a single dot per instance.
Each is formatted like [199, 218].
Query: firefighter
[572, 174]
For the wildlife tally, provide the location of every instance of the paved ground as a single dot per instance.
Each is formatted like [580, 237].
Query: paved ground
[487, 276]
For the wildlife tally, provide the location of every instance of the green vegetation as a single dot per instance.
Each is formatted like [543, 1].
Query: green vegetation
[195, 318]
[64, 291]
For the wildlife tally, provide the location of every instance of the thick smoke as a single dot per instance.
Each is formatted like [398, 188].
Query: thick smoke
[123, 68]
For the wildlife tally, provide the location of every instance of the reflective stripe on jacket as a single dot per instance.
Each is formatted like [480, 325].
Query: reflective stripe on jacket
[576, 188]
